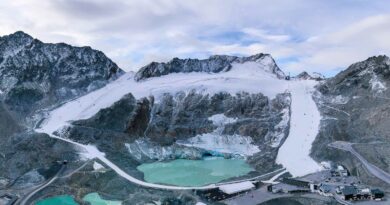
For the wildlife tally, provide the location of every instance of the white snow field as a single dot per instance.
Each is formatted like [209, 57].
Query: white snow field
[304, 126]
[251, 77]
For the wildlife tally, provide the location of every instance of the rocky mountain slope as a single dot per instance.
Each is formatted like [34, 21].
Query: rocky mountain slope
[35, 75]
[354, 108]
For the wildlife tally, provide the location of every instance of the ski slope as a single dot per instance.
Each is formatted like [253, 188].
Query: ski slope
[294, 154]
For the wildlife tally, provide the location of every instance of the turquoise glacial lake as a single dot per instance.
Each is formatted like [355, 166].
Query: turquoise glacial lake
[58, 200]
[92, 198]
[183, 172]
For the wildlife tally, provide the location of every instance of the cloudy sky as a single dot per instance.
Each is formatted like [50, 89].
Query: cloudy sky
[318, 36]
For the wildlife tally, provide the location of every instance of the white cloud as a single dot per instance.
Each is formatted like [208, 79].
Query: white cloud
[343, 47]
[301, 34]
[263, 35]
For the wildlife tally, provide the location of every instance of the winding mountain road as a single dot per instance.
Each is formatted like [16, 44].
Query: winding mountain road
[24, 200]
[374, 170]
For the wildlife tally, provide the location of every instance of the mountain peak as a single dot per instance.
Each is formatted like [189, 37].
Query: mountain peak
[213, 64]
[15, 41]
[374, 64]
[49, 72]
[19, 36]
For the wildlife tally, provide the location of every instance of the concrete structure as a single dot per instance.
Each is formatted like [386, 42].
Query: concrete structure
[236, 188]
[286, 188]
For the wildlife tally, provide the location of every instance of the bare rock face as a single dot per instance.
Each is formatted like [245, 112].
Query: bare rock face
[34, 74]
[214, 64]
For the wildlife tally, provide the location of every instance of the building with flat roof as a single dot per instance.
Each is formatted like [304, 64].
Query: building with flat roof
[348, 192]
[377, 194]
[236, 187]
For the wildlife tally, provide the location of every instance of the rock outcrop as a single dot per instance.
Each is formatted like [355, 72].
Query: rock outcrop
[306, 76]
[214, 64]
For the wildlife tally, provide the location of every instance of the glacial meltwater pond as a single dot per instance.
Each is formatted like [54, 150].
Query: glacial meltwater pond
[92, 198]
[58, 200]
[182, 172]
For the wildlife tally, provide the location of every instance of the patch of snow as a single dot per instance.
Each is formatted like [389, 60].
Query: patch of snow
[294, 154]
[339, 99]
[221, 120]
[236, 187]
[200, 203]
[339, 167]
[97, 166]
[216, 141]
[364, 72]
[280, 128]
[376, 85]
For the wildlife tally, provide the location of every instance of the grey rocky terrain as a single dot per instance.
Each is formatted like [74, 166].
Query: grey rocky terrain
[355, 108]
